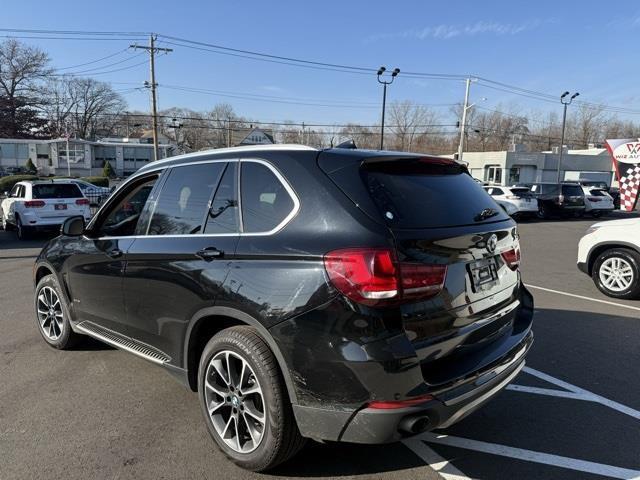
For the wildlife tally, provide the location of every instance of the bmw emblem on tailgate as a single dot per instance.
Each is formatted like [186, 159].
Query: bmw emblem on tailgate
[492, 243]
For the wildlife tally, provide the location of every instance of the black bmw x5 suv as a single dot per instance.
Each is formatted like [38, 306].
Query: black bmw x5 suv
[339, 295]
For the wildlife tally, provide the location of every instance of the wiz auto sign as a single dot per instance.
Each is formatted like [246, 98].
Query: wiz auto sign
[625, 154]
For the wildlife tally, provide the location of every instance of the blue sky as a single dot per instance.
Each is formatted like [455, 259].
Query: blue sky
[547, 46]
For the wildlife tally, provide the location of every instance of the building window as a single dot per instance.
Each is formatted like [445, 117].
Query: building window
[514, 175]
[493, 174]
[76, 153]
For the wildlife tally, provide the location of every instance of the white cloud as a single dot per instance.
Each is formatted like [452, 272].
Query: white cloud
[448, 31]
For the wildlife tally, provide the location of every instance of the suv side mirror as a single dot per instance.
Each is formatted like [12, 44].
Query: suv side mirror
[73, 226]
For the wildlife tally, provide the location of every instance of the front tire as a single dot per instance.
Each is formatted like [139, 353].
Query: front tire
[543, 211]
[244, 400]
[52, 315]
[616, 273]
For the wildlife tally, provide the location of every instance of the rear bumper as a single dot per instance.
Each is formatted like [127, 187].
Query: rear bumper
[333, 393]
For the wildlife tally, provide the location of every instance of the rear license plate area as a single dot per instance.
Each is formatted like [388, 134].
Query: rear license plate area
[60, 206]
[484, 273]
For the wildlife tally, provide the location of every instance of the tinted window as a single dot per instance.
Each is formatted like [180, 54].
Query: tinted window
[182, 204]
[572, 190]
[496, 191]
[520, 191]
[415, 194]
[123, 219]
[265, 201]
[56, 190]
[597, 193]
[223, 214]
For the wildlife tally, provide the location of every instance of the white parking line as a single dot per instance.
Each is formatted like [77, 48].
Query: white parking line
[444, 468]
[581, 297]
[547, 391]
[449, 472]
[587, 395]
[532, 456]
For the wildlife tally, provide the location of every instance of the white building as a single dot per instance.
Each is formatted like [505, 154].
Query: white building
[519, 166]
[85, 158]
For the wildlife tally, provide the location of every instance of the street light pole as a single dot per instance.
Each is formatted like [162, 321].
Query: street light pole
[394, 74]
[564, 123]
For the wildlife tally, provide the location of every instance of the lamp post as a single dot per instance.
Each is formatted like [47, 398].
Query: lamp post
[394, 74]
[564, 122]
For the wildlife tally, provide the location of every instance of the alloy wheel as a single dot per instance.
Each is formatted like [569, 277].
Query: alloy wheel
[616, 274]
[235, 401]
[50, 313]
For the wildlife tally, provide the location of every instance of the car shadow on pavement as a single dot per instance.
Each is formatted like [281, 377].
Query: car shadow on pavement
[347, 460]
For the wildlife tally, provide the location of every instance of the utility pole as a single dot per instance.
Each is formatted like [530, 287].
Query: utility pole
[228, 131]
[465, 107]
[67, 137]
[565, 103]
[152, 49]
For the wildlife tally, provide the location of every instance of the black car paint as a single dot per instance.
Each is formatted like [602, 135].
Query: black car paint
[335, 355]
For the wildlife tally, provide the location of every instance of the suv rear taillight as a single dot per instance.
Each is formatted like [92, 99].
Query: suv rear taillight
[34, 203]
[82, 201]
[512, 258]
[373, 276]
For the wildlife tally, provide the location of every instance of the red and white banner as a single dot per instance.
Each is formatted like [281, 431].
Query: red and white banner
[625, 154]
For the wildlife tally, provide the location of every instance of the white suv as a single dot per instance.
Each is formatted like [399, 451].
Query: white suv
[610, 253]
[42, 205]
[597, 201]
[515, 200]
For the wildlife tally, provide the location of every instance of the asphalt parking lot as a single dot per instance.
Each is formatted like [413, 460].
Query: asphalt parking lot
[574, 412]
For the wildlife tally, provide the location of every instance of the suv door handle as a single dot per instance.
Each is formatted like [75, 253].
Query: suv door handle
[209, 253]
[115, 253]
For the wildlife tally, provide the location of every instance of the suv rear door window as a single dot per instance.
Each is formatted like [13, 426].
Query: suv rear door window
[424, 194]
[265, 200]
[56, 190]
[182, 204]
[223, 214]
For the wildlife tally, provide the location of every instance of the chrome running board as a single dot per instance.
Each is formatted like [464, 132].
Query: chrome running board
[123, 343]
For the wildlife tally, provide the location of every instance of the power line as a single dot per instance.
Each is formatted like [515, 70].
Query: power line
[93, 61]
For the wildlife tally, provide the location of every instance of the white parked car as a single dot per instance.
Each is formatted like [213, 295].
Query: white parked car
[597, 201]
[40, 205]
[515, 200]
[610, 253]
[94, 193]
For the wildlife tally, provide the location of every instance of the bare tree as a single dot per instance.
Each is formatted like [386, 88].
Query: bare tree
[84, 105]
[22, 72]
[411, 123]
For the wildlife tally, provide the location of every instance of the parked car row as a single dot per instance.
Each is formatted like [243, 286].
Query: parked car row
[546, 200]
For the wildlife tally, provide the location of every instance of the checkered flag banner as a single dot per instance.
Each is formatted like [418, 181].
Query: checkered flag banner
[625, 154]
[629, 184]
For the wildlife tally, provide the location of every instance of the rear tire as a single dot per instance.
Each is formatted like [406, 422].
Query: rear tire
[52, 315]
[596, 213]
[227, 397]
[616, 273]
[22, 232]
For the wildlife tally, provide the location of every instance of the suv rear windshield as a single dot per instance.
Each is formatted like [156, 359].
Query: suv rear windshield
[427, 194]
[572, 191]
[57, 190]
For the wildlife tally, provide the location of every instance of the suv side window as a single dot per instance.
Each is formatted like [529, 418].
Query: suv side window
[265, 200]
[496, 191]
[123, 218]
[182, 205]
[223, 214]
[14, 191]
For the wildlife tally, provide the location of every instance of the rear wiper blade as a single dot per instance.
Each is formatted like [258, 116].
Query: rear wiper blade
[484, 214]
